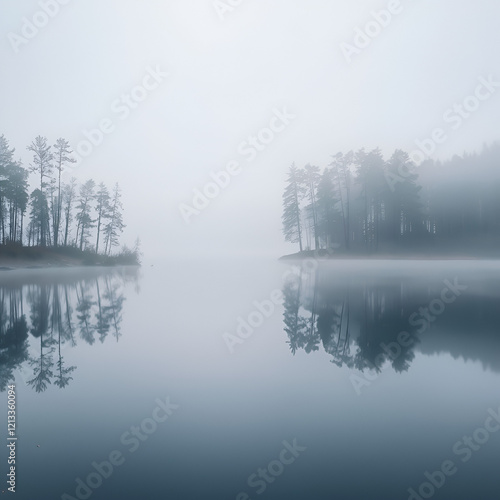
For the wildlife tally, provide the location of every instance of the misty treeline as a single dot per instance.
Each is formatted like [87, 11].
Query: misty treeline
[364, 203]
[55, 213]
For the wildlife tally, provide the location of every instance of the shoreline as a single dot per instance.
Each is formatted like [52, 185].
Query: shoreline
[18, 264]
[322, 255]
[15, 258]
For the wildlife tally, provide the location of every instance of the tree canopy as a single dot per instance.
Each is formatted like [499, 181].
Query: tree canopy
[59, 213]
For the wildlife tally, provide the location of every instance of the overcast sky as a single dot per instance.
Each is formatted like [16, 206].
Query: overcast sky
[219, 75]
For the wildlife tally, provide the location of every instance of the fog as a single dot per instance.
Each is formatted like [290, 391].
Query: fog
[218, 75]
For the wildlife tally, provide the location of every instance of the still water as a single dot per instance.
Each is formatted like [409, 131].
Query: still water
[366, 380]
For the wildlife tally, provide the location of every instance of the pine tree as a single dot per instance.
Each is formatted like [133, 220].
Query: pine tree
[38, 221]
[42, 165]
[68, 198]
[310, 177]
[370, 175]
[115, 224]
[403, 217]
[103, 210]
[83, 216]
[342, 175]
[327, 213]
[63, 158]
[16, 194]
[292, 225]
[6, 161]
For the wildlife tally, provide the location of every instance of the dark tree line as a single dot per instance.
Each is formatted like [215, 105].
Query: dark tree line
[364, 203]
[88, 217]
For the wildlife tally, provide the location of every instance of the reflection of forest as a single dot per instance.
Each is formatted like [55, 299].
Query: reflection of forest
[57, 313]
[354, 317]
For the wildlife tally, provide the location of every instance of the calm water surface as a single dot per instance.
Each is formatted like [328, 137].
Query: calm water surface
[238, 379]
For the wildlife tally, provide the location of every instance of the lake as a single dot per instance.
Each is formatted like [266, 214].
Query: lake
[243, 379]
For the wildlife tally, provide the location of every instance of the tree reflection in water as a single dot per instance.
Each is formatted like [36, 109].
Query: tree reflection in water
[356, 318]
[55, 310]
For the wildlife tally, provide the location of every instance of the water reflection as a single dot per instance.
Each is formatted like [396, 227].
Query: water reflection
[41, 314]
[364, 322]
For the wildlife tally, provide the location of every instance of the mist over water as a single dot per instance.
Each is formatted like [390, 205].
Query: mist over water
[250, 250]
[368, 422]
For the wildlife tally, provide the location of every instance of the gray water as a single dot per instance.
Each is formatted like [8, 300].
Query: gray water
[360, 378]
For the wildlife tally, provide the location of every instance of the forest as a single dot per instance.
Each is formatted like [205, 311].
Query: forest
[53, 213]
[362, 203]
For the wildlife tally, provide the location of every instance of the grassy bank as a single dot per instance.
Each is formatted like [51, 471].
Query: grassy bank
[17, 256]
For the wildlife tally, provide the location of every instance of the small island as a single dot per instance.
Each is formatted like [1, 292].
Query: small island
[363, 206]
[56, 223]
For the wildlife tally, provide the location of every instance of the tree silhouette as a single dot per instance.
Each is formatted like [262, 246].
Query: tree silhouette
[42, 165]
[292, 223]
[62, 156]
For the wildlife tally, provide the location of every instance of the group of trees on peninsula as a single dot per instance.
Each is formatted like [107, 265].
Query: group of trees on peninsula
[363, 203]
[53, 212]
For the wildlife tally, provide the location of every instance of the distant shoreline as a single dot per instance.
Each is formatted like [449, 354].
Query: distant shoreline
[323, 255]
[17, 257]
